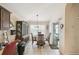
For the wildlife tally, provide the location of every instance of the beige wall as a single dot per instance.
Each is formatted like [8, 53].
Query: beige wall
[71, 40]
[61, 33]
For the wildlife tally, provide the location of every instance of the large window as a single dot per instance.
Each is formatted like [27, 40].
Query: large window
[35, 29]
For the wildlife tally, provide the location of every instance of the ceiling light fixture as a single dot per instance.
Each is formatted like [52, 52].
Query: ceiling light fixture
[37, 26]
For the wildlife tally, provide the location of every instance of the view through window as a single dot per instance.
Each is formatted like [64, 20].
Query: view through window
[35, 29]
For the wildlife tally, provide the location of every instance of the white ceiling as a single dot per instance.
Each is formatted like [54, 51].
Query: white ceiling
[28, 11]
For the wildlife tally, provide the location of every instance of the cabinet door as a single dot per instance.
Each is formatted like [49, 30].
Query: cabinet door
[19, 29]
[5, 19]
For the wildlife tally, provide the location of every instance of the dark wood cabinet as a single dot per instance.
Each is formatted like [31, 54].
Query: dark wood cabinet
[4, 19]
[21, 29]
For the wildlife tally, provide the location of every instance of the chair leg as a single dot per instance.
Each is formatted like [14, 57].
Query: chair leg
[32, 42]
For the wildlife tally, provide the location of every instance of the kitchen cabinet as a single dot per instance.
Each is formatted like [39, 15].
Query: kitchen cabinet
[4, 19]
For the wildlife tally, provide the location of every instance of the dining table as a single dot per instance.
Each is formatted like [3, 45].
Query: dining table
[40, 40]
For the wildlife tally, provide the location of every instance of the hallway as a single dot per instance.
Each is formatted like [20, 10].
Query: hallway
[34, 50]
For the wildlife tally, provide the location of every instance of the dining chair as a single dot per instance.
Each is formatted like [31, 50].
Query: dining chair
[33, 38]
[48, 38]
[40, 41]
